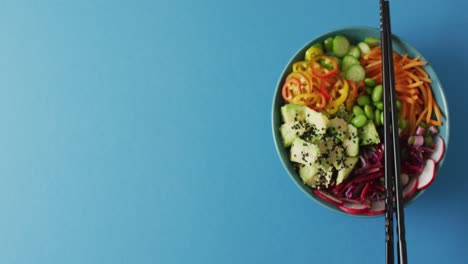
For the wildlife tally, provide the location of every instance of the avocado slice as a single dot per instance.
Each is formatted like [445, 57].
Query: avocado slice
[351, 142]
[338, 128]
[368, 134]
[293, 112]
[350, 162]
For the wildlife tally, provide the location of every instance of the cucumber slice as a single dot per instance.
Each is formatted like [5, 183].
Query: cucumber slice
[363, 47]
[347, 62]
[328, 43]
[340, 45]
[371, 41]
[355, 73]
[354, 51]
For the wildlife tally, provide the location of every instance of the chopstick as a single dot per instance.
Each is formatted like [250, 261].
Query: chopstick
[392, 146]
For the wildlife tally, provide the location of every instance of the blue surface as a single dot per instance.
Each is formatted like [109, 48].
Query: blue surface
[139, 132]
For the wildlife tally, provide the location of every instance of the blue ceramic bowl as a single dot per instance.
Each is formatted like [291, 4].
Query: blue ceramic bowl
[355, 35]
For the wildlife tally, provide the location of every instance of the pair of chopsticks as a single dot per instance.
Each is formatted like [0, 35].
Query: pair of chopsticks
[392, 147]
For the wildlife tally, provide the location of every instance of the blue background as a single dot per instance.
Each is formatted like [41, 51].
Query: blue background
[139, 132]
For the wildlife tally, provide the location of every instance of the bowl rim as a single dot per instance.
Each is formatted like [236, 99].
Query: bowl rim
[275, 132]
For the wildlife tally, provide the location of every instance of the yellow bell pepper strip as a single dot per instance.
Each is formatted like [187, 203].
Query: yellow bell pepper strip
[301, 66]
[304, 79]
[341, 92]
[315, 100]
[304, 99]
[313, 51]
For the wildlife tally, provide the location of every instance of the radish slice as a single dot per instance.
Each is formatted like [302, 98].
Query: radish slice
[439, 149]
[328, 197]
[410, 188]
[416, 141]
[419, 131]
[354, 208]
[427, 175]
[377, 207]
[433, 130]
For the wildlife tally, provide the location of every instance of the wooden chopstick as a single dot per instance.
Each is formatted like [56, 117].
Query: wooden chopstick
[391, 142]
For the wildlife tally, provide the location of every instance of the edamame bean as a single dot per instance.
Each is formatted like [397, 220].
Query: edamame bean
[369, 90]
[359, 121]
[381, 118]
[369, 82]
[377, 94]
[428, 141]
[369, 112]
[357, 110]
[402, 123]
[377, 117]
[363, 100]
[379, 105]
[398, 105]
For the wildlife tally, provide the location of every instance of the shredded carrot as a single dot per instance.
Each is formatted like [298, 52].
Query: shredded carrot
[438, 115]
[404, 111]
[421, 116]
[429, 103]
[412, 85]
[413, 64]
[404, 58]
[422, 71]
[372, 65]
[416, 84]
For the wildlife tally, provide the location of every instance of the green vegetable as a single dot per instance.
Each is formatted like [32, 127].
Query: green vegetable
[369, 112]
[368, 134]
[355, 73]
[371, 41]
[379, 105]
[369, 90]
[308, 173]
[304, 152]
[357, 110]
[340, 45]
[350, 162]
[338, 128]
[377, 94]
[427, 132]
[347, 62]
[363, 100]
[351, 142]
[290, 131]
[398, 105]
[318, 45]
[370, 82]
[359, 121]
[428, 142]
[292, 112]
[328, 44]
[402, 123]
[363, 47]
[382, 118]
[377, 117]
[326, 64]
[354, 51]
